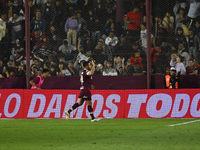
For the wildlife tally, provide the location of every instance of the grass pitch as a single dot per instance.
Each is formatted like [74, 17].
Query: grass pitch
[108, 134]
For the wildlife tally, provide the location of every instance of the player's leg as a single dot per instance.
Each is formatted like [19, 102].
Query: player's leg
[76, 105]
[90, 109]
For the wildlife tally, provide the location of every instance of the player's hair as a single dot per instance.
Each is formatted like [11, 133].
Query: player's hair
[45, 70]
[85, 64]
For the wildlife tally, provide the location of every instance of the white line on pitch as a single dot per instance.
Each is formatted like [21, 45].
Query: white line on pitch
[178, 124]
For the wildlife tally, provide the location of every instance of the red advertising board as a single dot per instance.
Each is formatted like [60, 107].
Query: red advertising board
[181, 103]
[11, 103]
[162, 103]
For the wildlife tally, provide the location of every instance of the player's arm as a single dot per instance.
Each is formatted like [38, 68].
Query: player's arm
[92, 70]
[32, 83]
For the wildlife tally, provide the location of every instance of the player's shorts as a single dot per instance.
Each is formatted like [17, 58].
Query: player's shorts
[85, 94]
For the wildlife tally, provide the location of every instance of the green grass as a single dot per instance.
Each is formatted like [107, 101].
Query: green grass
[108, 134]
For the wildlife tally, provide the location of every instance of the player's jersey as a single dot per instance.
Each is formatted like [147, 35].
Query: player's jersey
[86, 81]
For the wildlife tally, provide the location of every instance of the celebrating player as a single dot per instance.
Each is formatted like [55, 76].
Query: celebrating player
[38, 81]
[85, 94]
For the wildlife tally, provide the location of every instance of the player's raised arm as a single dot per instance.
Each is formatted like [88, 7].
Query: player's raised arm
[92, 69]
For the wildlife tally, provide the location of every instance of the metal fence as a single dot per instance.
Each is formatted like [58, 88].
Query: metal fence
[64, 33]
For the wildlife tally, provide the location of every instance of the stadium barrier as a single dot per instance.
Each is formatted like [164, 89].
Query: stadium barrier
[184, 103]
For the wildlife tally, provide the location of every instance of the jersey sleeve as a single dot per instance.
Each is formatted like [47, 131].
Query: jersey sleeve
[87, 72]
[36, 80]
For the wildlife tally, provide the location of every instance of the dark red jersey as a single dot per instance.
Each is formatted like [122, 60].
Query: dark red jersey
[86, 80]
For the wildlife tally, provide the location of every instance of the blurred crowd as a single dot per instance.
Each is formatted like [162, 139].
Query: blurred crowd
[65, 33]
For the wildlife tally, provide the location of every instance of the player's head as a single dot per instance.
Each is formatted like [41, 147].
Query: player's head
[86, 65]
[45, 73]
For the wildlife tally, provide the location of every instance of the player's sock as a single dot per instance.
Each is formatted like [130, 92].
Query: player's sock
[73, 107]
[90, 109]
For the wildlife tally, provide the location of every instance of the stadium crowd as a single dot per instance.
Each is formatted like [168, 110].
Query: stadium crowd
[64, 33]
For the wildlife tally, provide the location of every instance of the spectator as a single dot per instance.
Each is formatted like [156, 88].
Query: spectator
[105, 64]
[17, 51]
[135, 49]
[192, 46]
[33, 8]
[133, 19]
[191, 69]
[160, 31]
[156, 51]
[18, 3]
[111, 28]
[21, 72]
[136, 59]
[110, 8]
[60, 12]
[48, 13]
[179, 6]
[34, 72]
[85, 40]
[123, 47]
[165, 56]
[180, 17]
[121, 72]
[185, 27]
[52, 71]
[38, 22]
[102, 52]
[39, 38]
[10, 66]
[166, 50]
[109, 71]
[143, 37]
[96, 31]
[119, 62]
[183, 53]
[176, 61]
[196, 27]
[67, 50]
[63, 71]
[80, 20]
[98, 70]
[16, 24]
[107, 28]
[194, 11]
[77, 65]
[72, 70]
[42, 53]
[3, 36]
[37, 63]
[178, 38]
[83, 30]
[136, 70]
[85, 6]
[168, 22]
[54, 38]
[5, 72]
[71, 28]
[99, 10]
[111, 41]
[10, 9]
